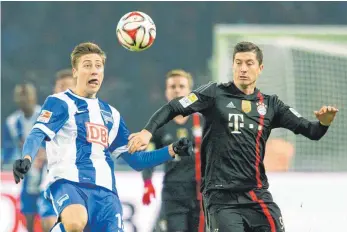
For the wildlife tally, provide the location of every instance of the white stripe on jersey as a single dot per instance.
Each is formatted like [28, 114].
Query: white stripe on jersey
[119, 151]
[61, 150]
[114, 131]
[102, 169]
[45, 129]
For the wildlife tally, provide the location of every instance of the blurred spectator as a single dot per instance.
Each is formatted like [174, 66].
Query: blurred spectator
[278, 155]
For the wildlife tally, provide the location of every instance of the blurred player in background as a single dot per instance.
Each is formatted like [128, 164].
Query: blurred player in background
[17, 128]
[238, 122]
[81, 134]
[180, 210]
[64, 80]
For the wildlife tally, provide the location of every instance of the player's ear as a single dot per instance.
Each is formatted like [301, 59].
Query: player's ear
[261, 67]
[167, 94]
[74, 73]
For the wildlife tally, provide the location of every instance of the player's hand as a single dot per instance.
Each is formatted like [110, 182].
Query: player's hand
[326, 115]
[183, 147]
[139, 141]
[149, 191]
[20, 168]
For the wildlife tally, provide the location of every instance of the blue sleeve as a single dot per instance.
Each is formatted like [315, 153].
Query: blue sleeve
[118, 146]
[33, 143]
[147, 159]
[53, 116]
[138, 160]
[8, 145]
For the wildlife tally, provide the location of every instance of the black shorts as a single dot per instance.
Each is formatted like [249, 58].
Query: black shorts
[252, 211]
[182, 215]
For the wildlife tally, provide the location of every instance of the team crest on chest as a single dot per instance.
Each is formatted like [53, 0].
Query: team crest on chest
[261, 108]
[106, 116]
[246, 106]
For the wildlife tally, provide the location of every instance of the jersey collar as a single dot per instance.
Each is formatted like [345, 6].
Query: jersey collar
[236, 91]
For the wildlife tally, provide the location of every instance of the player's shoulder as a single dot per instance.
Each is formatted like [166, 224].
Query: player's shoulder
[266, 95]
[207, 89]
[61, 95]
[269, 96]
[224, 84]
[58, 100]
[272, 99]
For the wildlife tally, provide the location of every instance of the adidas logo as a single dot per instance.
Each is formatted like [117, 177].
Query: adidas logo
[231, 105]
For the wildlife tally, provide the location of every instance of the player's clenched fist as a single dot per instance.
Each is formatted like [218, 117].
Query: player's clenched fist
[20, 168]
[183, 147]
[326, 115]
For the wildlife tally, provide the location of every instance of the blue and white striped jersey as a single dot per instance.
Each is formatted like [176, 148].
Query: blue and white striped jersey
[82, 134]
[16, 129]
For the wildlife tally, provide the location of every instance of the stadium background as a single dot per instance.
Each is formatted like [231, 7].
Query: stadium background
[306, 69]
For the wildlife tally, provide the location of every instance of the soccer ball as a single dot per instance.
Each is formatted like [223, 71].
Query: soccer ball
[136, 31]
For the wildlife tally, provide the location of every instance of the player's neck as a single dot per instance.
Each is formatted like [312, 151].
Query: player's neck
[180, 120]
[82, 93]
[246, 89]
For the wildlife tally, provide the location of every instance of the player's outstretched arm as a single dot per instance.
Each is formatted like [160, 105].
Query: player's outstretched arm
[289, 118]
[147, 159]
[31, 146]
[54, 114]
[139, 141]
[198, 100]
[316, 130]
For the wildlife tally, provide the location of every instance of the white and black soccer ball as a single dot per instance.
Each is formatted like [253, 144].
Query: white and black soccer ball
[136, 31]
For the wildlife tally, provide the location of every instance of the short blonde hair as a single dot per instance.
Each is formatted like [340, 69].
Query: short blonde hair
[84, 49]
[181, 72]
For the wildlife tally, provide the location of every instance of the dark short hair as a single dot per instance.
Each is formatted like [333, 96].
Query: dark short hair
[248, 47]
